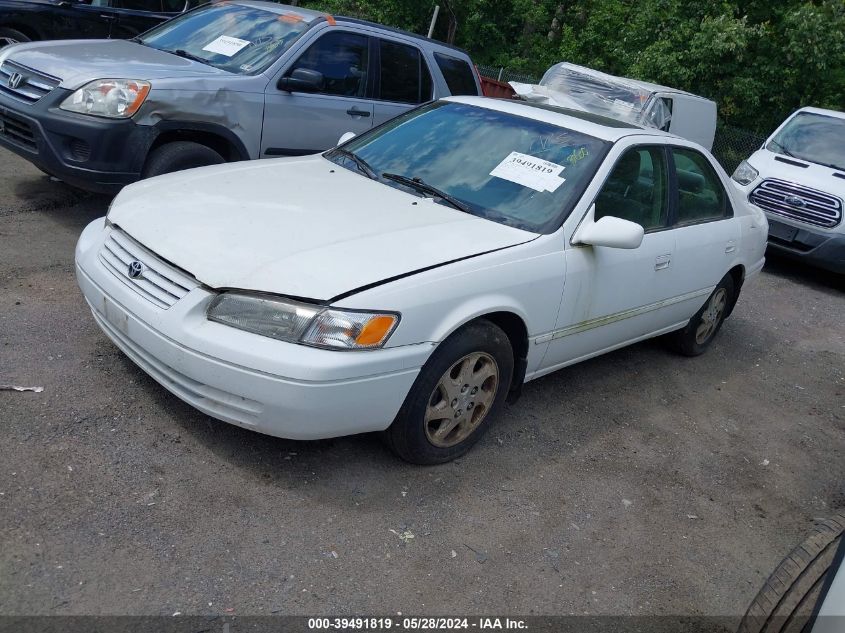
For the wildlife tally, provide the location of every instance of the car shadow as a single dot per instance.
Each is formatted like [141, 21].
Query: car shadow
[799, 272]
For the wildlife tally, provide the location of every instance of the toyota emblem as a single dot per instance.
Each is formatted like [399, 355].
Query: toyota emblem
[14, 81]
[135, 269]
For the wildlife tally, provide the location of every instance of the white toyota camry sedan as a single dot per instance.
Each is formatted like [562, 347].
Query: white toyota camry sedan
[411, 279]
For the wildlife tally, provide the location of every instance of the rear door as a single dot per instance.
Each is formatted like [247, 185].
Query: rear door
[707, 234]
[458, 75]
[403, 80]
[299, 123]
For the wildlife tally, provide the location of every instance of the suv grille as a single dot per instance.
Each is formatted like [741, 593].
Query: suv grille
[24, 83]
[158, 282]
[16, 130]
[797, 202]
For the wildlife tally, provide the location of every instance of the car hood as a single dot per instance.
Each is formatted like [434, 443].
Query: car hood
[77, 62]
[301, 227]
[814, 175]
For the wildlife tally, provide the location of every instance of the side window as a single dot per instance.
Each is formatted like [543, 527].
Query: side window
[342, 59]
[637, 189]
[404, 74]
[701, 196]
[458, 75]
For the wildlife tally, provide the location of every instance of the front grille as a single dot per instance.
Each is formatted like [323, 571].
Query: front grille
[25, 83]
[158, 282]
[798, 202]
[16, 130]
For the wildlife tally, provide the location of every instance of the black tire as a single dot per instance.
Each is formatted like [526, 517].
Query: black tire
[11, 36]
[408, 437]
[786, 602]
[179, 155]
[685, 341]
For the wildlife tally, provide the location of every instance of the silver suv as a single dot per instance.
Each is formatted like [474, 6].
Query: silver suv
[225, 82]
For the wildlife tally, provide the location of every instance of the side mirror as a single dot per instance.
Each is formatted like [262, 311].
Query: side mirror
[610, 232]
[302, 80]
[347, 136]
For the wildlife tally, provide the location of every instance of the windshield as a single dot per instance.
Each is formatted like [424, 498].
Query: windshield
[813, 137]
[239, 39]
[506, 168]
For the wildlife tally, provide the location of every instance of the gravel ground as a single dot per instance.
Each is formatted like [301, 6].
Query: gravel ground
[639, 482]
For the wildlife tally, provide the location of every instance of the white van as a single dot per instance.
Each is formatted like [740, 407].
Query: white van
[798, 179]
[639, 102]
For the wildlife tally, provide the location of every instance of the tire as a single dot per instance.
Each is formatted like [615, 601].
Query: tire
[786, 602]
[689, 340]
[480, 355]
[11, 36]
[179, 155]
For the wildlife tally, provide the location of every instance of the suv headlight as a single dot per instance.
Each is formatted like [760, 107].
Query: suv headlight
[113, 98]
[745, 174]
[297, 322]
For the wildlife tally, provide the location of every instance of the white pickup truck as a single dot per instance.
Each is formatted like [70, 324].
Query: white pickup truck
[798, 179]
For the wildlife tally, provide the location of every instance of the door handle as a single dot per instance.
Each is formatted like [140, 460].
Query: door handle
[356, 112]
[108, 17]
[730, 247]
[662, 262]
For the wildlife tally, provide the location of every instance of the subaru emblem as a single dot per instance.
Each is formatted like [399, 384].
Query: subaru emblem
[795, 201]
[14, 81]
[135, 269]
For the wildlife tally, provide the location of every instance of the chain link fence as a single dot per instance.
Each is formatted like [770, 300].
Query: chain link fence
[733, 145]
[503, 74]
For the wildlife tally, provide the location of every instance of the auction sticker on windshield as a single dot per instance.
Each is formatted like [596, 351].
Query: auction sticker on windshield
[226, 45]
[531, 172]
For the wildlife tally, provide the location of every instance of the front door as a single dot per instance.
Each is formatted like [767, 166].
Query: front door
[298, 123]
[614, 296]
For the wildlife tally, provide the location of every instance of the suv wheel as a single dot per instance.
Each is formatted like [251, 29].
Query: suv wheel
[11, 36]
[179, 155]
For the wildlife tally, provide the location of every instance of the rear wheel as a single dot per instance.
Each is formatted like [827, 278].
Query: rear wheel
[786, 601]
[179, 155]
[457, 393]
[702, 328]
[11, 36]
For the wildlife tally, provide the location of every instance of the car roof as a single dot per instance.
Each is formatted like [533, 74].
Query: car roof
[834, 113]
[390, 29]
[595, 125]
[309, 15]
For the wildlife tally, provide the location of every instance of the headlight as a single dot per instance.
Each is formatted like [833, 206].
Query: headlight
[297, 322]
[113, 98]
[745, 174]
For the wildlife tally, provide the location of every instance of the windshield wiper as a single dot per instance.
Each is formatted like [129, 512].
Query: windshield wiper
[423, 187]
[362, 165]
[783, 150]
[183, 53]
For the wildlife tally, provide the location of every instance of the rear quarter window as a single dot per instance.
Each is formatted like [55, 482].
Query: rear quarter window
[458, 75]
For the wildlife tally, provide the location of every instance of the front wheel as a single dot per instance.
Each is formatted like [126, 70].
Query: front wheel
[457, 393]
[179, 155]
[696, 337]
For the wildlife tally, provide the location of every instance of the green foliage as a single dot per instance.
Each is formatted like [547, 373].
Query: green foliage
[758, 59]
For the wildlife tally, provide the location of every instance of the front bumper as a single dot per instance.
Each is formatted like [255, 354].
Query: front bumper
[277, 388]
[814, 246]
[91, 153]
